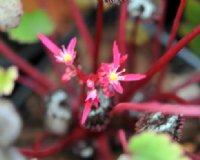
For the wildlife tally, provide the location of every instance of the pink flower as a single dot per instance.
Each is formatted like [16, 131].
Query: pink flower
[70, 72]
[91, 99]
[64, 55]
[110, 77]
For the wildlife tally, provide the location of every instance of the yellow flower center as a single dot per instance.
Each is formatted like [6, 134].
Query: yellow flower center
[67, 58]
[113, 76]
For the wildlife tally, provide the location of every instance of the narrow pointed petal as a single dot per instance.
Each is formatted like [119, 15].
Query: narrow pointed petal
[123, 58]
[133, 77]
[116, 55]
[49, 44]
[118, 87]
[105, 67]
[59, 58]
[92, 95]
[86, 111]
[72, 44]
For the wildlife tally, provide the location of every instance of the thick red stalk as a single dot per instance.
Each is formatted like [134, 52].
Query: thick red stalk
[176, 24]
[98, 34]
[196, 100]
[37, 88]
[171, 41]
[185, 110]
[194, 79]
[122, 27]
[156, 44]
[38, 142]
[170, 96]
[123, 140]
[162, 62]
[25, 66]
[80, 24]
[133, 45]
[75, 136]
[103, 148]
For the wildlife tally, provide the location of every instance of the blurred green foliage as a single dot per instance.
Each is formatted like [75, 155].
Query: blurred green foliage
[191, 19]
[7, 80]
[152, 146]
[31, 24]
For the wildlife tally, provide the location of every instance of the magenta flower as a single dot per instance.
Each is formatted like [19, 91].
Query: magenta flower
[64, 55]
[91, 99]
[69, 73]
[110, 77]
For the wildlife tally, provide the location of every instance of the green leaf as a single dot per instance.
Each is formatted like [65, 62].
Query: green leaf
[152, 146]
[184, 29]
[32, 24]
[192, 11]
[7, 80]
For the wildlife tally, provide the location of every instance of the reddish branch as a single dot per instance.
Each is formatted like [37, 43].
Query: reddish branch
[98, 33]
[171, 40]
[39, 89]
[48, 151]
[81, 25]
[25, 66]
[156, 46]
[122, 27]
[103, 148]
[170, 96]
[194, 79]
[162, 62]
[123, 140]
[185, 110]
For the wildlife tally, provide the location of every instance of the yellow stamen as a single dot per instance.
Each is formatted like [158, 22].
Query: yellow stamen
[113, 76]
[67, 58]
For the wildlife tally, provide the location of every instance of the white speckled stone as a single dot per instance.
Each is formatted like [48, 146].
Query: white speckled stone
[11, 154]
[10, 123]
[135, 6]
[10, 13]
[58, 117]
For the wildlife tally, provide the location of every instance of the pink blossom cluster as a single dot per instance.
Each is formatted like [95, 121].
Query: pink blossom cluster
[108, 76]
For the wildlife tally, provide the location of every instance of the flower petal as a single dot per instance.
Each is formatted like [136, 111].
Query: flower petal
[133, 77]
[86, 111]
[117, 87]
[49, 44]
[92, 95]
[116, 55]
[123, 58]
[71, 45]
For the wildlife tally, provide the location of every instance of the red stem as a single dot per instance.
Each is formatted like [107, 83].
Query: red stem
[196, 100]
[193, 79]
[103, 148]
[185, 110]
[156, 45]
[176, 24]
[25, 66]
[171, 40]
[37, 88]
[171, 96]
[80, 24]
[123, 140]
[98, 34]
[122, 27]
[75, 136]
[162, 62]
[133, 45]
[38, 142]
